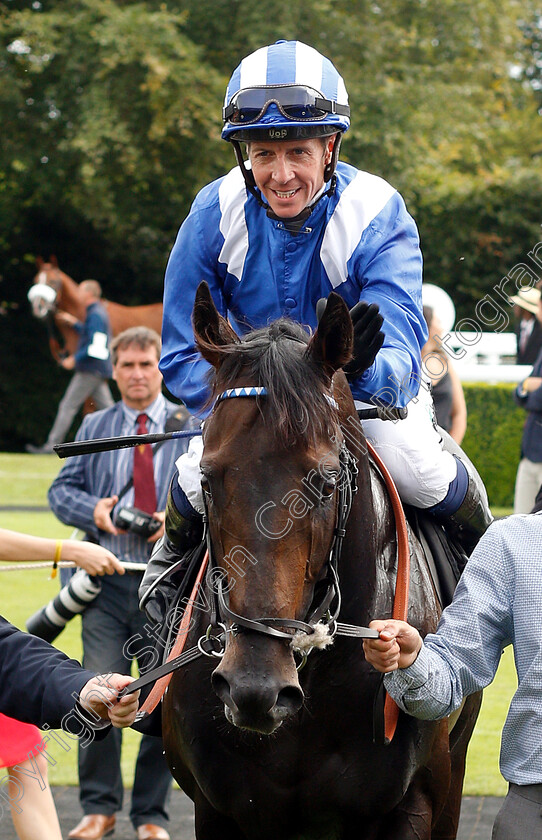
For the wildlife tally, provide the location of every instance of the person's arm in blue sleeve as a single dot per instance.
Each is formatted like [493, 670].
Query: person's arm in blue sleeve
[528, 394]
[185, 372]
[36, 681]
[388, 267]
[94, 337]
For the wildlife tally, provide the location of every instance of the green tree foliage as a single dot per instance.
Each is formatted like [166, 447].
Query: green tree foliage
[109, 111]
[530, 66]
[477, 232]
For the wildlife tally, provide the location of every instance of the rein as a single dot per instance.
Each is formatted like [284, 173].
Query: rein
[400, 601]
[320, 626]
[161, 676]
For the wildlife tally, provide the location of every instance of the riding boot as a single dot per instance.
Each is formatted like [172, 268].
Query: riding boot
[472, 518]
[182, 536]
[469, 521]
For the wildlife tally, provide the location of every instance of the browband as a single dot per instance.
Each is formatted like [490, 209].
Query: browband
[258, 391]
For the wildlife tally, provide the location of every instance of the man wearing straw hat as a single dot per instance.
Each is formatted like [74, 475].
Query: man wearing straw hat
[528, 395]
[528, 330]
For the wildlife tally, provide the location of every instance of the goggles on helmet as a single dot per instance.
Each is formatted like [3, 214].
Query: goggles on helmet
[298, 103]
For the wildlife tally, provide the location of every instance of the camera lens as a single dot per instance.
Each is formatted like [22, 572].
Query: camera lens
[72, 599]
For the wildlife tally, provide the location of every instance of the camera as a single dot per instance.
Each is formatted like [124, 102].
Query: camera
[137, 521]
[72, 599]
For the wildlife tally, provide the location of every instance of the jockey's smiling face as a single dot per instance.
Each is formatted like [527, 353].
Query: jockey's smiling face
[137, 375]
[290, 173]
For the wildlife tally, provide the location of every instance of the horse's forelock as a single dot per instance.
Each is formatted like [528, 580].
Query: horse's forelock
[295, 406]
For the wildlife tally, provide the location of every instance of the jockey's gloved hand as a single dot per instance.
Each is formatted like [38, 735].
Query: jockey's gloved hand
[368, 337]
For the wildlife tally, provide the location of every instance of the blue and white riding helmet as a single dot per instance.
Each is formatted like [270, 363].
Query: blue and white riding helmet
[285, 91]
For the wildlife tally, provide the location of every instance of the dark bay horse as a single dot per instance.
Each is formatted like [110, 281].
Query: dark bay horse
[53, 290]
[300, 535]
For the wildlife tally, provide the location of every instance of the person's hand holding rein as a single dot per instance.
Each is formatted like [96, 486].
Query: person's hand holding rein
[99, 697]
[397, 647]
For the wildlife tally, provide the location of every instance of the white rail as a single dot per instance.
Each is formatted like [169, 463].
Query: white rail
[485, 357]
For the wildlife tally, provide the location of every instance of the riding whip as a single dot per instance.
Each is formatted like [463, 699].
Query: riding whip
[87, 447]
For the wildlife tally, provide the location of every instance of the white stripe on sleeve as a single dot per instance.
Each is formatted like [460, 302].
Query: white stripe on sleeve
[233, 226]
[361, 201]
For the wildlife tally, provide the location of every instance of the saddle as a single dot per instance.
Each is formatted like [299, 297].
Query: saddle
[445, 557]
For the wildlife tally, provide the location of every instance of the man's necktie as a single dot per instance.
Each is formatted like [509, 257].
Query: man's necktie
[144, 488]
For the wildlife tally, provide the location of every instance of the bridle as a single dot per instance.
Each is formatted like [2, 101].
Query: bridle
[319, 626]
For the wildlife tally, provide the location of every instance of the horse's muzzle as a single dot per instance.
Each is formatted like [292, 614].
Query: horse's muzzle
[258, 699]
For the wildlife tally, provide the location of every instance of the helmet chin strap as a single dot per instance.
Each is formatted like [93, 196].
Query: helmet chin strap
[295, 223]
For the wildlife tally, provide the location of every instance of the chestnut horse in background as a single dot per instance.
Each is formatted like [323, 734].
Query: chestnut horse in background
[301, 537]
[54, 291]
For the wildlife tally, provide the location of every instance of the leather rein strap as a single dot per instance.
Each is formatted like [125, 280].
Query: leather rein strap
[160, 686]
[402, 583]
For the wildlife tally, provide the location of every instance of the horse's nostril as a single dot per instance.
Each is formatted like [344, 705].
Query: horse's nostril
[290, 699]
[221, 687]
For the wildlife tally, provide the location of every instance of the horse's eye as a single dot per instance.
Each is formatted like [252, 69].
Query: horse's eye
[328, 487]
[205, 486]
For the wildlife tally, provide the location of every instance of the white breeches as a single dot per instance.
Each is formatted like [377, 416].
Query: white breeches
[411, 449]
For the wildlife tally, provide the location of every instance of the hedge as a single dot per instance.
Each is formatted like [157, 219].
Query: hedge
[493, 438]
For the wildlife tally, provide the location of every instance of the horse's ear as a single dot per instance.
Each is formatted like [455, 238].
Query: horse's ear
[331, 344]
[53, 260]
[212, 332]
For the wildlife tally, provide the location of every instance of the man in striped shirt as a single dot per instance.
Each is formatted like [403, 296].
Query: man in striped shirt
[85, 495]
[498, 602]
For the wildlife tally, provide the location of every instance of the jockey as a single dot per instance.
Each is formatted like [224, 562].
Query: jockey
[276, 234]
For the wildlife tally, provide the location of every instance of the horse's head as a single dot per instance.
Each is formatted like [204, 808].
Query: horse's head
[52, 293]
[272, 473]
[44, 292]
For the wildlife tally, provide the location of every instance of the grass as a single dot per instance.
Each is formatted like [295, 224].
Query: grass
[24, 479]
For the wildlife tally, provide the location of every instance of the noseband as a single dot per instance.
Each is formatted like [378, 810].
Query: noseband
[321, 621]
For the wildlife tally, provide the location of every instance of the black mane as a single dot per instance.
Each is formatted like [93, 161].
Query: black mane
[274, 357]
